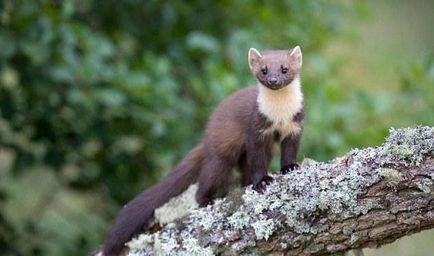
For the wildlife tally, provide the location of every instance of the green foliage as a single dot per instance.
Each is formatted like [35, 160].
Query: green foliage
[417, 90]
[100, 98]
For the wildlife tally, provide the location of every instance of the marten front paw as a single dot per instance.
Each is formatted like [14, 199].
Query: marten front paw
[262, 183]
[290, 167]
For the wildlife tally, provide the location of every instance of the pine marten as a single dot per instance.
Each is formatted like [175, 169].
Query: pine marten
[240, 133]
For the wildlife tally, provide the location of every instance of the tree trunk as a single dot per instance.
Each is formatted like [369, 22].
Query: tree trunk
[364, 199]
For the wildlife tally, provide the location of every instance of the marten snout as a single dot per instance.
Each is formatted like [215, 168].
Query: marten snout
[272, 80]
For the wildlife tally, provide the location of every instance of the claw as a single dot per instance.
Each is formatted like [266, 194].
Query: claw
[261, 185]
[286, 169]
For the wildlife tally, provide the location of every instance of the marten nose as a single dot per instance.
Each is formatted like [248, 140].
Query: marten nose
[272, 80]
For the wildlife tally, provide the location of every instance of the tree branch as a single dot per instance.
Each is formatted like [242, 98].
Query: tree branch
[366, 198]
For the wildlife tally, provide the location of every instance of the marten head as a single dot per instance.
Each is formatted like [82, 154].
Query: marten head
[275, 69]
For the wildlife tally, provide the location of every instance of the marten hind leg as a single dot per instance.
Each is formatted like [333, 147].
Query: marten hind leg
[213, 180]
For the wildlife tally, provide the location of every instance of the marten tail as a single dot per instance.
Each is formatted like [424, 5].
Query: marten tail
[141, 209]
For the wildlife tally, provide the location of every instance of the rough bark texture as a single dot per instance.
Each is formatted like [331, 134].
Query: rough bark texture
[366, 198]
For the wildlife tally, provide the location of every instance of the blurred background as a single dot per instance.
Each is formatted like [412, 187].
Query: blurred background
[99, 99]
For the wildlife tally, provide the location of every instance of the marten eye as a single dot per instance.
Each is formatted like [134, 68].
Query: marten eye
[264, 70]
[284, 70]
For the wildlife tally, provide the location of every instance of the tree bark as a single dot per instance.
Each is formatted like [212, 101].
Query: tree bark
[366, 198]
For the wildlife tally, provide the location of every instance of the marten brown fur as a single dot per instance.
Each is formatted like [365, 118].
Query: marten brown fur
[240, 133]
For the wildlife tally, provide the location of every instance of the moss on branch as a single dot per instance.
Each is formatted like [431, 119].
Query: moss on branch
[366, 198]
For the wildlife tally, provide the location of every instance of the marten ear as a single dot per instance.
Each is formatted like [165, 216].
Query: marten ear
[295, 57]
[254, 60]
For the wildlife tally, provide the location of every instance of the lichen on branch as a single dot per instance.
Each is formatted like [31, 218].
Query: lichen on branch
[366, 198]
